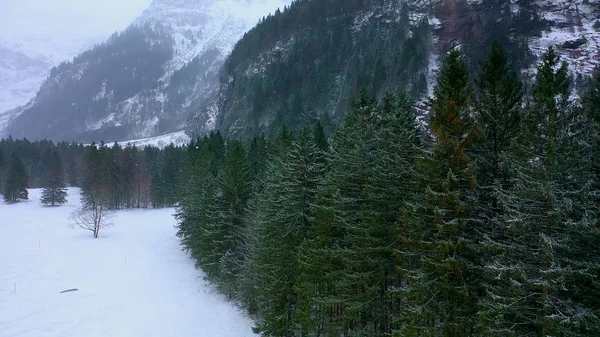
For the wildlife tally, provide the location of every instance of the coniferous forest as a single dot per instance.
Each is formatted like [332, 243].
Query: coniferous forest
[125, 177]
[485, 222]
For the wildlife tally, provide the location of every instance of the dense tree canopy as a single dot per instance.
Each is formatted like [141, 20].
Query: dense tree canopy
[484, 222]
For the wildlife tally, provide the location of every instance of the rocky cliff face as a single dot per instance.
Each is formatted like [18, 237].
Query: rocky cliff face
[526, 28]
[572, 26]
[296, 66]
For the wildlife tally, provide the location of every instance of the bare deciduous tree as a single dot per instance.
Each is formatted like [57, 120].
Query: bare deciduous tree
[92, 218]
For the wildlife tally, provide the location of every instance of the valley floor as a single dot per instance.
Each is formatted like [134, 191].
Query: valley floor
[132, 281]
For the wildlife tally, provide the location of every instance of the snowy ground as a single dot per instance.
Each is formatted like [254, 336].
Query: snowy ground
[178, 138]
[133, 280]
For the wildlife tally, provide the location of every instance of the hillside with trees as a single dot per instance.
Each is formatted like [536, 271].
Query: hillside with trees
[485, 225]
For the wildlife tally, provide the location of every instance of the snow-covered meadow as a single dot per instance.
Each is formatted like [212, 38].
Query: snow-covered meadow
[133, 280]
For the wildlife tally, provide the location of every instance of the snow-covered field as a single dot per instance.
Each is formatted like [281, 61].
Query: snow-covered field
[178, 138]
[132, 281]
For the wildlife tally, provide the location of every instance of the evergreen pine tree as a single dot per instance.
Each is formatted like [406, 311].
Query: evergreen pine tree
[392, 190]
[2, 171]
[158, 190]
[282, 142]
[71, 164]
[128, 162]
[112, 175]
[236, 187]
[55, 189]
[591, 106]
[15, 188]
[548, 215]
[442, 285]
[283, 219]
[320, 137]
[257, 155]
[171, 166]
[328, 305]
[498, 113]
[202, 211]
[588, 287]
[95, 190]
[220, 219]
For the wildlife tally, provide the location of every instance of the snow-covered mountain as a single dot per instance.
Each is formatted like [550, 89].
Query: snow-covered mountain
[310, 66]
[199, 26]
[38, 35]
[87, 99]
[26, 63]
[299, 65]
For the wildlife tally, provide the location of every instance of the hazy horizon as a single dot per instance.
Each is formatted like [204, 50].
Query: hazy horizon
[66, 19]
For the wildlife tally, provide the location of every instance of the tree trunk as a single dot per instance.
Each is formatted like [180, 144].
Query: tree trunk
[98, 220]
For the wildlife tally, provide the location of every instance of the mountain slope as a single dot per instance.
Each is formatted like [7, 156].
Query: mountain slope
[25, 65]
[194, 37]
[77, 95]
[307, 62]
[37, 35]
[298, 65]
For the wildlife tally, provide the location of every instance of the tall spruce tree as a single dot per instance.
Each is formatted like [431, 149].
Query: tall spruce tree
[320, 137]
[235, 185]
[171, 166]
[498, 113]
[2, 171]
[15, 188]
[55, 189]
[327, 294]
[111, 163]
[257, 155]
[191, 181]
[374, 236]
[202, 212]
[276, 149]
[128, 162]
[498, 98]
[444, 279]
[158, 190]
[94, 190]
[591, 106]
[392, 191]
[221, 218]
[585, 287]
[283, 219]
[548, 216]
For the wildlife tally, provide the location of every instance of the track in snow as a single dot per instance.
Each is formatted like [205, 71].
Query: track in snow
[132, 281]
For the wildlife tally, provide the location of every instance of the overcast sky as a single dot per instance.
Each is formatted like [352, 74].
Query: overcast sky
[75, 19]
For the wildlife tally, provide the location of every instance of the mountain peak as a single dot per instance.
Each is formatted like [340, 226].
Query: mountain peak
[145, 81]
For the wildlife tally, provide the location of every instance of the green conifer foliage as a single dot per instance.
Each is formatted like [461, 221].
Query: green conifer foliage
[498, 113]
[55, 189]
[443, 285]
[283, 219]
[548, 214]
[588, 287]
[15, 188]
[2, 171]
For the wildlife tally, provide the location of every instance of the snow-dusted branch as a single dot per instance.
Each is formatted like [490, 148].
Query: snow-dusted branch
[92, 218]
